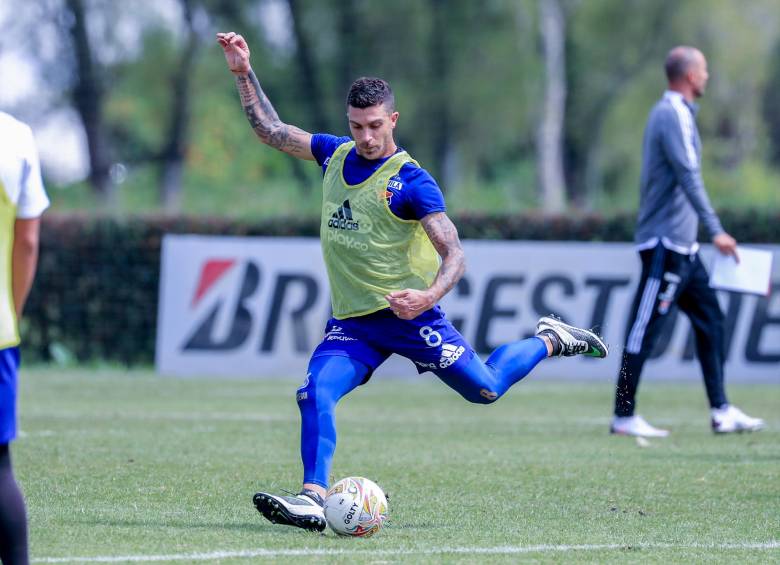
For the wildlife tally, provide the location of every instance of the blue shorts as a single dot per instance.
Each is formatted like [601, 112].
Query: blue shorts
[430, 341]
[9, 366]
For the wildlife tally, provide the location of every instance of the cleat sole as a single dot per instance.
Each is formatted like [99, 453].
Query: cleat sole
[276, 513]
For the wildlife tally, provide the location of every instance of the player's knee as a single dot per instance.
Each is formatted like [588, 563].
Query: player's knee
[477, 383]
[306, 393]
[485, 396]
[314, 396]
[488, 396]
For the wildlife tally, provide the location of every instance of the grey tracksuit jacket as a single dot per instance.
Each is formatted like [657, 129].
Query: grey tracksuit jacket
[672, 196]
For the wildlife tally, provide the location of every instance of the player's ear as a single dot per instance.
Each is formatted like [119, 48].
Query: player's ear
[393, 118]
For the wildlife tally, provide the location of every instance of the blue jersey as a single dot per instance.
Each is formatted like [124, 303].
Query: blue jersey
[412, 193]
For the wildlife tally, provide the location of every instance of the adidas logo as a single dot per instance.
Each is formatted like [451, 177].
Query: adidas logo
[450, 354]
[342, 218]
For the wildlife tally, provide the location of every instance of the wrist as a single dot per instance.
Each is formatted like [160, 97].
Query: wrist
[241, 72]
[432, 297]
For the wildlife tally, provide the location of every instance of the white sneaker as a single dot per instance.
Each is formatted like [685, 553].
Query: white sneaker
[635, 426]
[731, 419]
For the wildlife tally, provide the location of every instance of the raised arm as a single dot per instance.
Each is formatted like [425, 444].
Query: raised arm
[409, 303]
[258, 109]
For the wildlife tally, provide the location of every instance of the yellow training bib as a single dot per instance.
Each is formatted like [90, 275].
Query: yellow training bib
[368, 250]
[9, 331]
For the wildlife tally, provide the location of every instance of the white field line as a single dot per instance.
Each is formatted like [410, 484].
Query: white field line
[500, 550]
[175, 416]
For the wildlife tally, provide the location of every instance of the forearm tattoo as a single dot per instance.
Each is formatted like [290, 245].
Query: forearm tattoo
[444, 236]
[263, 117]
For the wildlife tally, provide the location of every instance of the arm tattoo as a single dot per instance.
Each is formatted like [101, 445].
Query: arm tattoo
[263, 117]
[444, 236]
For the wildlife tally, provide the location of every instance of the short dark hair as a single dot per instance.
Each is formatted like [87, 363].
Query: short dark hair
[678, 61]
[371, 91]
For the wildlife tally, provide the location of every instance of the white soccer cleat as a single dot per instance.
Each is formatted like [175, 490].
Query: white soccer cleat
[635, 426]
[570, 340]
[731, 419]
[303, 510]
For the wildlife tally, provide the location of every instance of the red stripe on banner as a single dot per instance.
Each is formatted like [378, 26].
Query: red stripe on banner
[210, 274]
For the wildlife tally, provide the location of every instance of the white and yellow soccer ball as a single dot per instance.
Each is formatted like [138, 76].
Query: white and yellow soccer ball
[356, 506]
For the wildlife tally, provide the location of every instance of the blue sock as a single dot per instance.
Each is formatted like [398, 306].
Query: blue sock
[486, 382]
[329, 378]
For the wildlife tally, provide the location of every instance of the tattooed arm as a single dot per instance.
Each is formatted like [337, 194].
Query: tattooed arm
[444, 236]
[266, 123]
[410, 303]
[261, 114]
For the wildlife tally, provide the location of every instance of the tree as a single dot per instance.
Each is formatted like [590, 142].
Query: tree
[88, 95]
[552, 26]
[608, 45]
[174, 150]
[771, 108]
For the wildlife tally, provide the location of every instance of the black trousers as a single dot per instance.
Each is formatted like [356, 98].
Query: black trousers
[13, 515]
[670, 279]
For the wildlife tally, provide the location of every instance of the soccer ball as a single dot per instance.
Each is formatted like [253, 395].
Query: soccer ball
[355, 507]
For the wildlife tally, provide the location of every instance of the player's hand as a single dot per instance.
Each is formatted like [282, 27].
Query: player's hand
[409, 303]
[236, 52]
[726, 245]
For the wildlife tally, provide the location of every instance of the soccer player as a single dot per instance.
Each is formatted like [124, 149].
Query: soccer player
[672, 202]
[391, 254]
[22, 201]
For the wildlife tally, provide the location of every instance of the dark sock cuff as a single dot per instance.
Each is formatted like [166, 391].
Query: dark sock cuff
[313, 495]
[556, 343]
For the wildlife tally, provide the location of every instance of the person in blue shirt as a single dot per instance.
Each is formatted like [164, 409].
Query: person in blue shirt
[412, 193]
[391, 253]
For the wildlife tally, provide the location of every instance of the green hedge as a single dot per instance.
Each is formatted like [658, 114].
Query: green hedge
[95, 295]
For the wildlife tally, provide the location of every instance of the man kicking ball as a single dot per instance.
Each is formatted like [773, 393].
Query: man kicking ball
[391, 254]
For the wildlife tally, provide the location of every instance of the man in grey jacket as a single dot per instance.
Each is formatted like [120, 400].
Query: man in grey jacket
[672, 202]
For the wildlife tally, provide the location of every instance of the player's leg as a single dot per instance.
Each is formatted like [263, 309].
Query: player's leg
[485, 382]
[13, 516]
[655, 295]
[433, 343]
[700, 304]
[329, 378]
[339, 364]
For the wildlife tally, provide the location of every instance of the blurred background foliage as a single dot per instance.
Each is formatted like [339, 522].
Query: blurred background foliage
[528, 112]
[144, 117]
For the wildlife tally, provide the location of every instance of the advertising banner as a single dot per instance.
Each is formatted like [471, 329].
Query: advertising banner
[257, 307]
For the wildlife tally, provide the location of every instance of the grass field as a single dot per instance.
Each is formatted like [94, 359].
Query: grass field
[129, 467]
